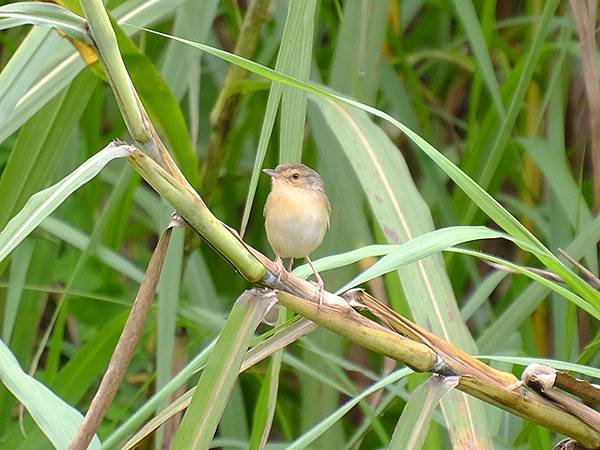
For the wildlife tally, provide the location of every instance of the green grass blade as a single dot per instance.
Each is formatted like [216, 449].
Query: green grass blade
[42, 204]
[310, 436]
[411, 429]
[44, 140]
[294, 58]
[468, 18]
[264, 411]
[210, 398]
[168, 302]
[55, 418]
[421, 247]
[19, 266]
[567, 294]
[48, 15]
[359, 47]
[80, 240]
[497, 334]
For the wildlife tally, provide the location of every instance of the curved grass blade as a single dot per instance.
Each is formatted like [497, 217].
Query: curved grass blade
[57, 420]
[310, 436]
[475, 192]
[567, 294]
[521, 308]
[217, 380]
[42, 204]
[411, 429]
[48, 15]
[421, 247]
[558, 365]
[53, 63]
[468, 17]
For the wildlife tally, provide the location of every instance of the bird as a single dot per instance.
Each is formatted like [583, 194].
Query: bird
[296, 216]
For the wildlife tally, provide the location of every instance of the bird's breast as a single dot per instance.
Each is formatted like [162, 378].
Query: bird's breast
[296, 221]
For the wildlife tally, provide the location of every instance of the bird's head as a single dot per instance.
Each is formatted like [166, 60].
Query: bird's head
[296, 175]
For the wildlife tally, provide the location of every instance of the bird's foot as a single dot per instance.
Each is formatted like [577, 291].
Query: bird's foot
[320, 285]
[319, 294]
[279, 268]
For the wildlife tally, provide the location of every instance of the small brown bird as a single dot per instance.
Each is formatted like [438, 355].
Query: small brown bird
[296, 215]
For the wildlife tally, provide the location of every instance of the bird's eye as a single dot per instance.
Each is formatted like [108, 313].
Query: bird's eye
[295, 176]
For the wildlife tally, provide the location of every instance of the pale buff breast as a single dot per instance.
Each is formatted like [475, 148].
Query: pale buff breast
[296, 220]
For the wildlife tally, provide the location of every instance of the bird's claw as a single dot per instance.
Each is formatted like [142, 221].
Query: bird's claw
[279, 268]
[319, 297]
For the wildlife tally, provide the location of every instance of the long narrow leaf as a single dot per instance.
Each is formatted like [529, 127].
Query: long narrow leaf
[42, 204]
[46, 14]
[58, 420]
[310, 436]
[53, 63]
[414, 422]
[477, 194]
[294, 58]
[214, 387]
[468, 17]
[422, 247]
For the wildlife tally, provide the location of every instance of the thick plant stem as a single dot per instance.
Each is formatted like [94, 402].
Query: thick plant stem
[227, 104]
[191, 207]
[105, 40]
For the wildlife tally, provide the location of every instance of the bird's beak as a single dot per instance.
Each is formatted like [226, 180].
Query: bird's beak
[271, 173]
